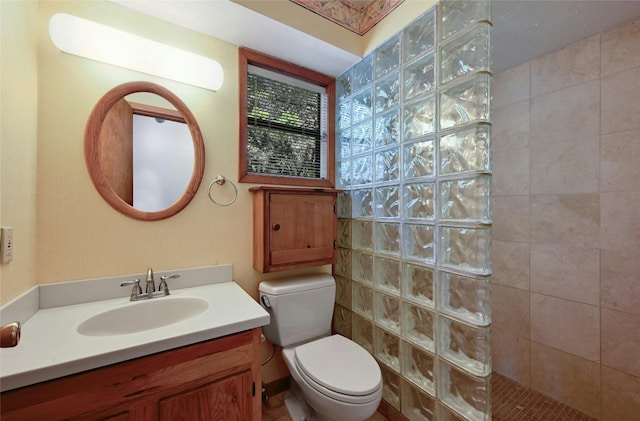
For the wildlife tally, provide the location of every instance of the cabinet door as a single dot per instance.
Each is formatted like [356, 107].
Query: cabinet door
[302, 228]
[225, 400]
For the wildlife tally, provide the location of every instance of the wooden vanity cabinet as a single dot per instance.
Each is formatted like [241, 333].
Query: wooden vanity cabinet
[293, 228]
[216, 380]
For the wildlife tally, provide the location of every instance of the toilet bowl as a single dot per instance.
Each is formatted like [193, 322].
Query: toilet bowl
[333, 379]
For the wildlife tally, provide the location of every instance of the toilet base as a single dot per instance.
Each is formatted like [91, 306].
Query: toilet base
[299, 409]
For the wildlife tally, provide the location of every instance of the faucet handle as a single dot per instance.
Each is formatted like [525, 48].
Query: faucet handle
[163, 283]
[136, 288]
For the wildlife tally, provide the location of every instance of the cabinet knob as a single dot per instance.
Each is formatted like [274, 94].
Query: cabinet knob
[276, 227]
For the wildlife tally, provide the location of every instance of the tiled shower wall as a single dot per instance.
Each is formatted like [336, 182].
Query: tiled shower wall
[566, 232]
[414, 232]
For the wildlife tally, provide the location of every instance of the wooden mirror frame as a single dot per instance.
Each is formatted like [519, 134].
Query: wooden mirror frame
[93, 146]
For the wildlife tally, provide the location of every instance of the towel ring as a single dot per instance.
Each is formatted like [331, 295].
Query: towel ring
[220, 180]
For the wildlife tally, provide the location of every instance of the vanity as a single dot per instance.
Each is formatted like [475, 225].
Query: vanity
[128, 363]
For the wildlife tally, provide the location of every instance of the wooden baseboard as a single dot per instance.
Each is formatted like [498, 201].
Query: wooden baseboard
[278, 386]
[390, 413]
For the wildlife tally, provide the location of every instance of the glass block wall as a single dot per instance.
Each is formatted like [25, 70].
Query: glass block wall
[413, 159]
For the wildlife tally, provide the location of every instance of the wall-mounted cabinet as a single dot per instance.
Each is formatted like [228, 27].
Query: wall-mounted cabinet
[293, 228]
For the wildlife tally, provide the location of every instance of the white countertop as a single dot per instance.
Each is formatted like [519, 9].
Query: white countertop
[50, 346]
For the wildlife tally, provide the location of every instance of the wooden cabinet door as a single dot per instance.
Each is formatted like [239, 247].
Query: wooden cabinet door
[302, 228]
[224, 400]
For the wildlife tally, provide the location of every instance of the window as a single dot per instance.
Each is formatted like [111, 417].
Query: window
[286, 123]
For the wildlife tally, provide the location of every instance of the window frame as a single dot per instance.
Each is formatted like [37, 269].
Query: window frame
[248, 57]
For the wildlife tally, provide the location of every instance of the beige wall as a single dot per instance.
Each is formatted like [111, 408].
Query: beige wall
[566, 249]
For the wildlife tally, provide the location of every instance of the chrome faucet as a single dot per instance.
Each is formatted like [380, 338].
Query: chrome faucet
[150, 289]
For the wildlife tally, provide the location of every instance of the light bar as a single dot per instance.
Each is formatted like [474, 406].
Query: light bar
[95, 41]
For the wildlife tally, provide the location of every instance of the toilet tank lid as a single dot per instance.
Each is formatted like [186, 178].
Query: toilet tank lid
[296, 283]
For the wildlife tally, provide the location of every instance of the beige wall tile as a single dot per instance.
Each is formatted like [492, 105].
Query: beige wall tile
[510, 355]
[620, 280]
[566, 325]
[575, 64]
[569, 219]
[511, 86]
[510, 126]
[619, 102]
[620, 396]
[621, 341]
[620, 48]
[566, 272]
[566, 167]
[510, 172]
[571, 113]
[510, 310]
[510, 264]
[621, 220]
[567, 378]
[511, 218]
[620, 161]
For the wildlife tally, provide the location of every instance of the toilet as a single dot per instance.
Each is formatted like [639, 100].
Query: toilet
[333, 378]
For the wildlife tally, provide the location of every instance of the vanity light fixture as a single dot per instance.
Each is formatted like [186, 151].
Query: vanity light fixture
[95, 41]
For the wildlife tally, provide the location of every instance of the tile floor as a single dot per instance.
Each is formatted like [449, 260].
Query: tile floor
[511, 402]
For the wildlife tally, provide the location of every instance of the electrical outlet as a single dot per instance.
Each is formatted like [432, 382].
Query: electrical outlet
[6, 244]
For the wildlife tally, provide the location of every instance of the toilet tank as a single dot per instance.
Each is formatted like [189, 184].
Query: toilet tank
[300, 306]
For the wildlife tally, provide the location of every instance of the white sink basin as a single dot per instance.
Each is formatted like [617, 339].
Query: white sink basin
[143, 315]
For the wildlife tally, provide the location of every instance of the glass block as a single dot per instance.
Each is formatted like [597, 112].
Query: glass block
[417, 284]
[342, 321]
[464, 297]
[387, 202]
[468, 395]
[419, 159]
[361, 106]
[417, 405]
[362, 332]
[465, 346]
[343, 178]
[465, 103]
[343, 114]
[466, 200]
[343, 291]
[417, 326]
[457, 15]
[419, 78]
[390, 386]
[387, 311]
[467, 54]
[418, 201]
[417, 366]
[467, 150]
[467, 249]
[446, 414]
[387, 275]
[418, 242]
[362, 235]
[387, 347]
[343, 144]
[419, 36]
[362, 267]
[344, 204]
[387, 57]
[362, 203]
[388, 165]
[343, 85]
[363, 73]
[343, 263]
[387, 238]
[362, 300]
[362, 170]
[344, 233]
[361, 138]
[387, 128]
[388, 93]
[419, 118]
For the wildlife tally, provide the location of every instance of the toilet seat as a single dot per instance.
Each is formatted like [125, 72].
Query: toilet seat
[340, 369]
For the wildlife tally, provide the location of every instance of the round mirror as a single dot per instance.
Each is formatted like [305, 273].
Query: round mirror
[146, 161]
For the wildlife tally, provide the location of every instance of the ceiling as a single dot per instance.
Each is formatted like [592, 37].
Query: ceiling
[522, 30]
